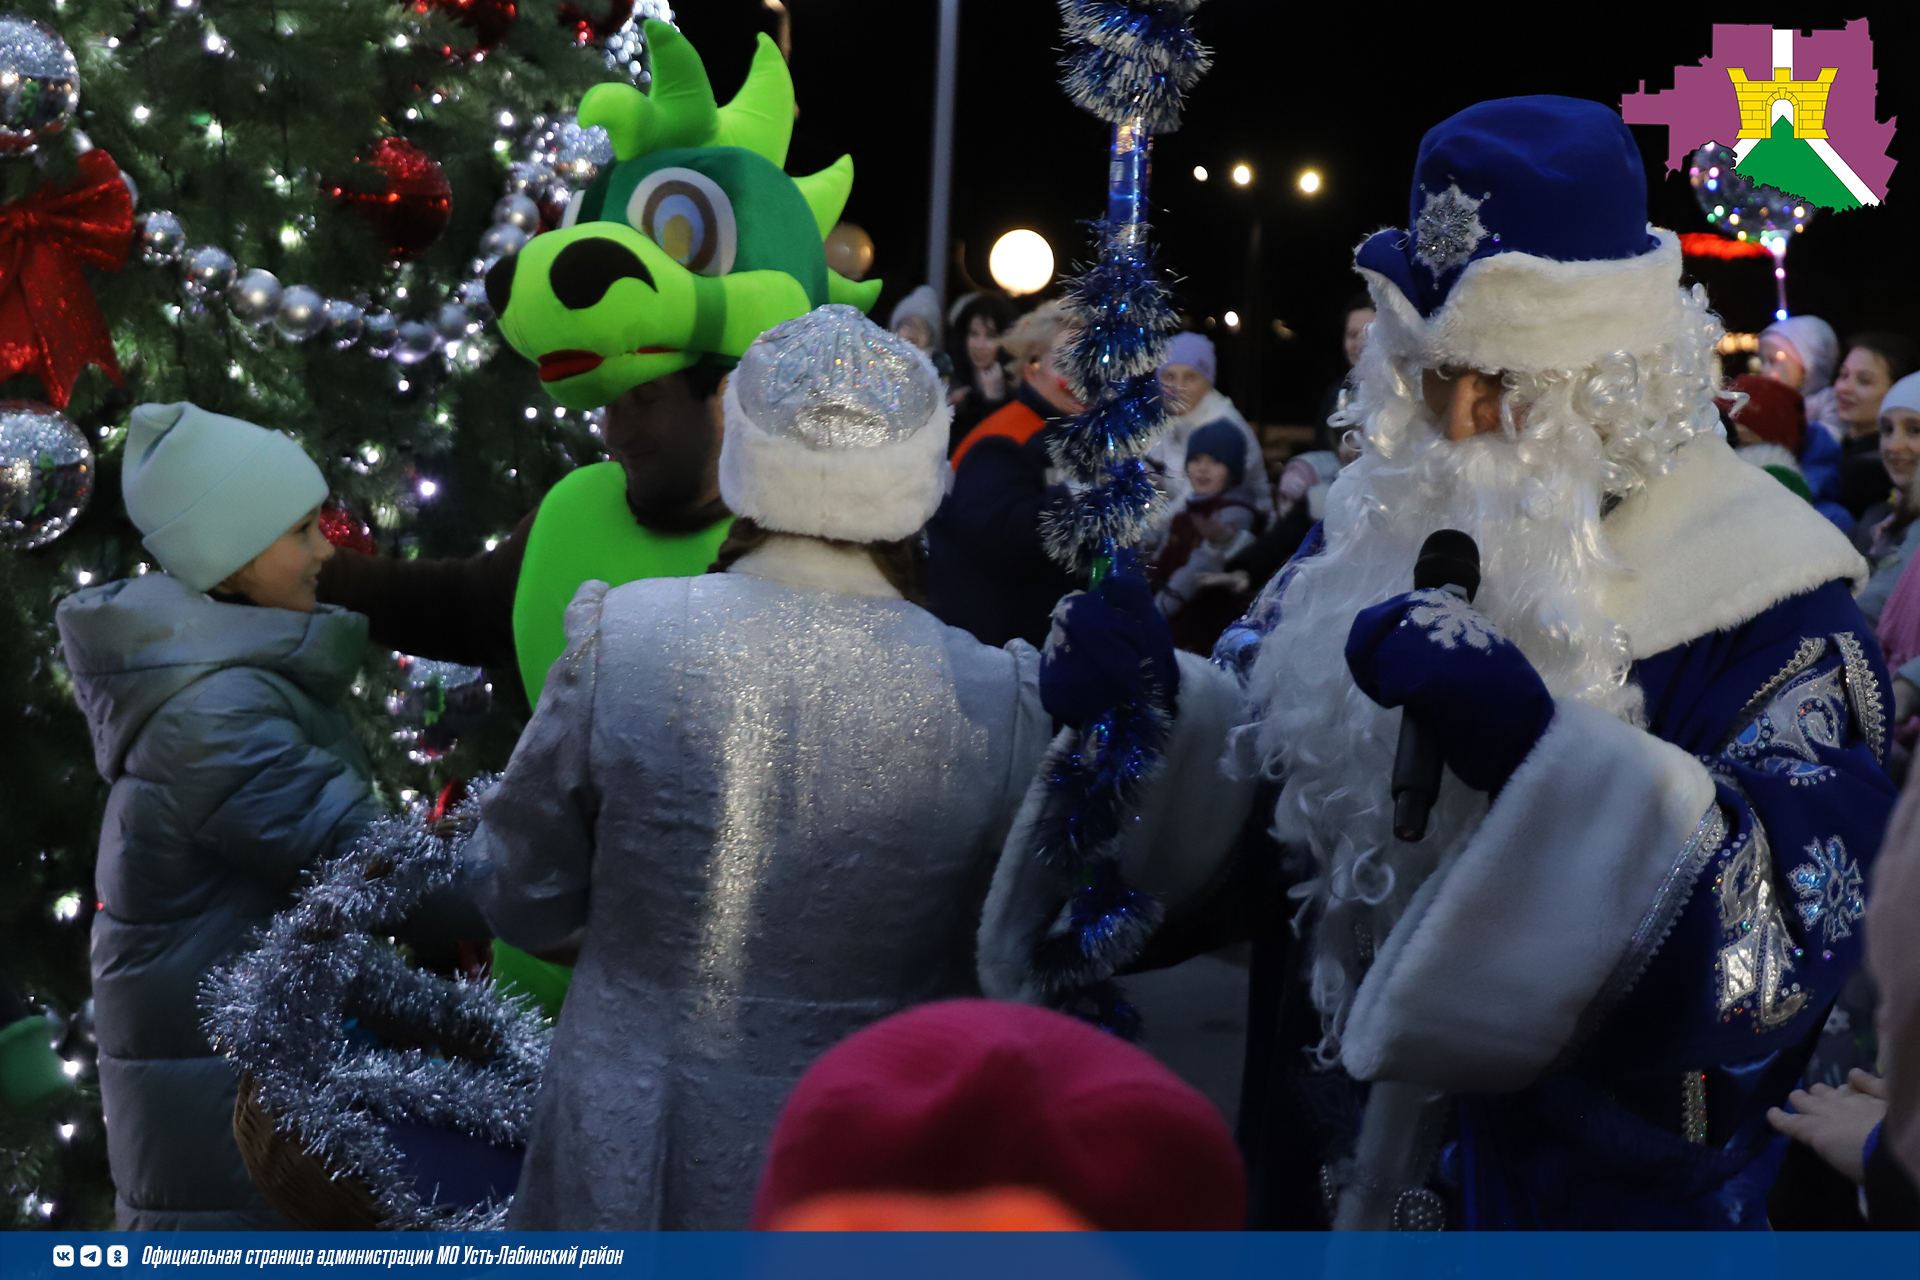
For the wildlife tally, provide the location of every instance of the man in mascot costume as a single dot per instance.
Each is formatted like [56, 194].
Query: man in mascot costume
[1571, 1002]
[661, 274]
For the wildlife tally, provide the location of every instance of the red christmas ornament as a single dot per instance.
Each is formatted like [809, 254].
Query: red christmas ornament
[402, 193]
[588, 29]
[50, 324]
[489, 20]
[345, 530]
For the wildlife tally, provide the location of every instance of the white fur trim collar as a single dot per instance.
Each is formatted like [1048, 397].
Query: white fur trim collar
[812, 565]
[1528, 314]
[1712, 544]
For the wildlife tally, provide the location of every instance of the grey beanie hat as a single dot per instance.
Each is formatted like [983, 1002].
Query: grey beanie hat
[212, 492]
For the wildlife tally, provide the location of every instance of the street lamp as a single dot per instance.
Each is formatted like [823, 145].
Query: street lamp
[1021, 262]
[1232, 321]
[1242, 175]
[1310, 182]
[1199, 173]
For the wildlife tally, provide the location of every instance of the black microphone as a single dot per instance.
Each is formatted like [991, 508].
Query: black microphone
[1449, 561]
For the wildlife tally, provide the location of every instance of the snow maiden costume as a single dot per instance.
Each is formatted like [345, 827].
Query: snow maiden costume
[769, 800]
[1571, 1003]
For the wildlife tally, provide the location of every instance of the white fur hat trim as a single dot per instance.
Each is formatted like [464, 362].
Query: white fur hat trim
[1527, 314]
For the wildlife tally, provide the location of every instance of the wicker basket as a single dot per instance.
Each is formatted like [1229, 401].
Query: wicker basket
[293, 1181]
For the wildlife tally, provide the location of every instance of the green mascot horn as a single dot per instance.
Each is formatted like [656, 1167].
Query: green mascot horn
[689, 246]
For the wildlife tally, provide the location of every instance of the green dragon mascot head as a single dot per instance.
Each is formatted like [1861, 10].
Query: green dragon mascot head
[689, 246]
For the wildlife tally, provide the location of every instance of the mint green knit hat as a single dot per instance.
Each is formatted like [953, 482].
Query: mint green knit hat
[212, 492]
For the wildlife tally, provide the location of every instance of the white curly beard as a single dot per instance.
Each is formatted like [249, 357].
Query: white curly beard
[1532, 500]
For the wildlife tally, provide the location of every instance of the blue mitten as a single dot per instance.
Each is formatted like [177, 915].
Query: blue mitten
[1434, 654]
[1107, 647]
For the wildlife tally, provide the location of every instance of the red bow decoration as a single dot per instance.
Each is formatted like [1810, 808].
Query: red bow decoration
[50, 324]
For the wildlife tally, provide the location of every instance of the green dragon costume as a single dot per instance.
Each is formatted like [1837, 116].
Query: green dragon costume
[693, 243]
[689, 247]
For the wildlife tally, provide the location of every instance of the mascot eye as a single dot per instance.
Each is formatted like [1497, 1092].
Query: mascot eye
[687, 214]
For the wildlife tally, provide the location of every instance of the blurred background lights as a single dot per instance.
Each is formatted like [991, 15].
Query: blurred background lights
[1021, 262]
[1242, 175]
[1199, 173]
[1310, 182]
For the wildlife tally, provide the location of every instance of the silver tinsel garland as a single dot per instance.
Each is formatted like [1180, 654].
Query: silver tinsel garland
[280, 1013]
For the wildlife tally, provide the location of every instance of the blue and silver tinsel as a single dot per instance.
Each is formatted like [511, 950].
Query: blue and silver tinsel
[1129, 64]
[290, 1015]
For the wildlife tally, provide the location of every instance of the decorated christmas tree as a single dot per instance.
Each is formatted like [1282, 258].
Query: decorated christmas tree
[279, 210]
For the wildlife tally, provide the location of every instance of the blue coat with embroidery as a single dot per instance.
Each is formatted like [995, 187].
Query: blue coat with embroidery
[1658, 1119]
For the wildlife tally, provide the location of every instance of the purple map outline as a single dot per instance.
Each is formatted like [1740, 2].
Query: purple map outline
[1701, 107]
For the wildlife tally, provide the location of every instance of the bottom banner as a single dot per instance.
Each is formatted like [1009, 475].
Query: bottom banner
[907, 1256]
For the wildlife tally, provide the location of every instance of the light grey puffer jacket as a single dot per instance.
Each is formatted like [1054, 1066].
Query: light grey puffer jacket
[233, 768]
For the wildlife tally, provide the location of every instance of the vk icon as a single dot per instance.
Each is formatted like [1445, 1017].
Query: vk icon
[63, 1255]
[116, 1255]
[89, 1255]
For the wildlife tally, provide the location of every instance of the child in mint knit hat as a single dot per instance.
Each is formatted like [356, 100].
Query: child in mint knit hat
[213, 691]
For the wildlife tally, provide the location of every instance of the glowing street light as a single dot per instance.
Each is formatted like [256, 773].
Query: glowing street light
[1310, 182]
[1232, 319]
[1021, 262]
[1199, 173]
[1242, 175]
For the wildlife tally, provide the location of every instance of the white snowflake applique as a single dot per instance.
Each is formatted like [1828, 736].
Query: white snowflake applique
[1449, 620]
[1448, 230]
[1830, 889]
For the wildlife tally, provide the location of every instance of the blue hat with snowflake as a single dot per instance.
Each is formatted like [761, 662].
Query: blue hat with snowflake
[1527, 245]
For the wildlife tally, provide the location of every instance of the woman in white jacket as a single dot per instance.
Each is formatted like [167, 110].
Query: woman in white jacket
[764, 804]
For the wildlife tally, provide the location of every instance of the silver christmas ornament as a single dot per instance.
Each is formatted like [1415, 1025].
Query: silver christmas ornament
[133, 188]
[345, 322]
[418, 340]
[161, 236]
[46, 473]
[501, 239]
[39, 84]
[474, 294]
[452, 320]
[302, 313]
[209, 269]
[436, 702]
[519, 210]
[579, 154]
[525, 174]
[625, 51]
[255, 296]
[382, 330]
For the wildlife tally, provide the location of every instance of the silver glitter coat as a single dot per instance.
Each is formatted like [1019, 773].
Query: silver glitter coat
[772, 811]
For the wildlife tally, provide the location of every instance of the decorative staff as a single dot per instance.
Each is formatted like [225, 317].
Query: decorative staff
[1130, 64]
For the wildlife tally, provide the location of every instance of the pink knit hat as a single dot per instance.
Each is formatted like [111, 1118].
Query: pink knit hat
[971, 1094]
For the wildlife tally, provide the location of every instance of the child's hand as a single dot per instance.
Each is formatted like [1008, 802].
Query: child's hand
[1836, 1122]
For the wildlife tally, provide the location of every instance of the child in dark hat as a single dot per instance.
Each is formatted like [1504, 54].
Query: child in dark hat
[1210, 527]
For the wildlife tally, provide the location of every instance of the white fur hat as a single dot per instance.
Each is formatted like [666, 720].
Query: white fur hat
[836, 429]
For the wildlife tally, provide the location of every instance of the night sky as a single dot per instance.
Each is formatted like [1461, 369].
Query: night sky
[1345, 89]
